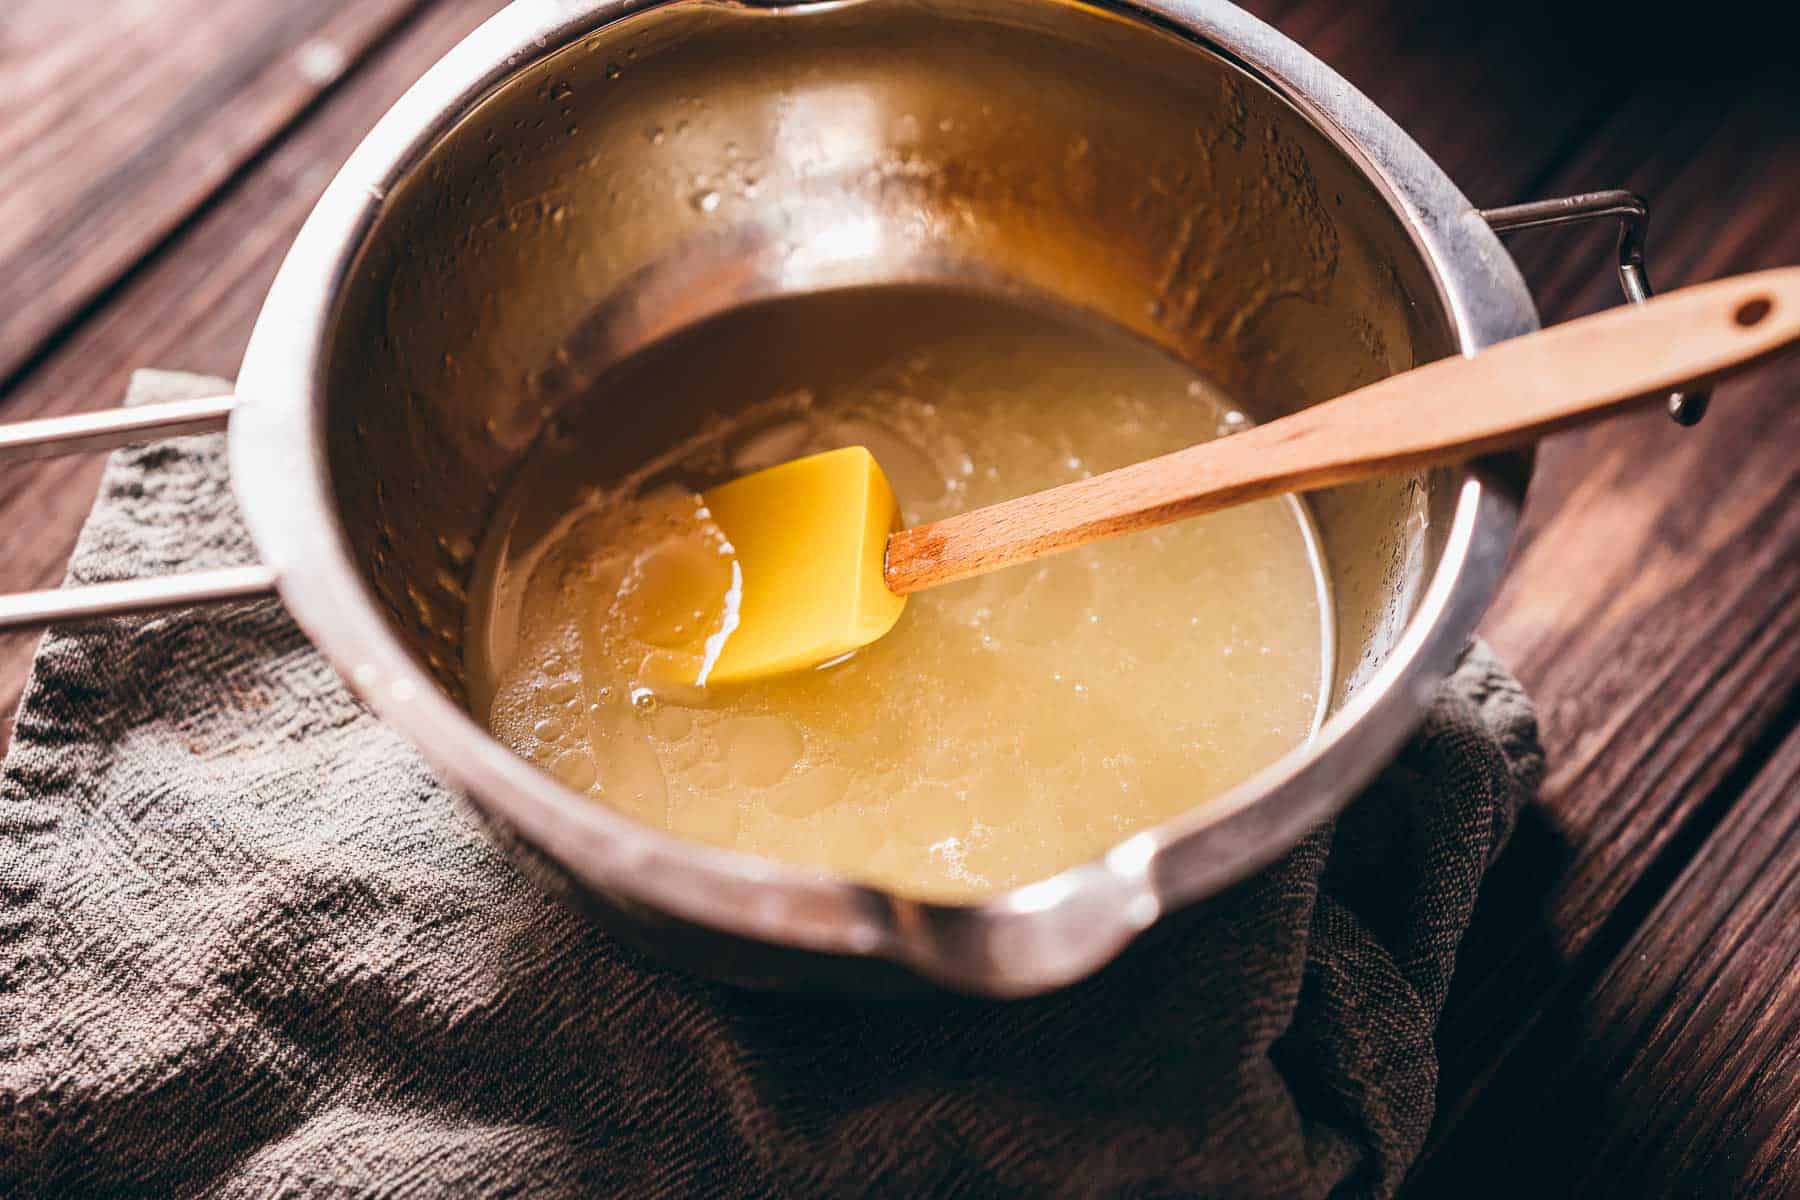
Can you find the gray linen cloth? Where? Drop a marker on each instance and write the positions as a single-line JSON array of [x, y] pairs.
[[249, 946]]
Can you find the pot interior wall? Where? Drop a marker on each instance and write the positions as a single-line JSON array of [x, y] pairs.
[[701, 155]]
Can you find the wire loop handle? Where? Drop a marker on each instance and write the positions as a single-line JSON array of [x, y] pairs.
[[1633, 216], [88, 432]]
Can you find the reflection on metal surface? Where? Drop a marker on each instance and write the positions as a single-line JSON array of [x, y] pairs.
[[1633, 216]]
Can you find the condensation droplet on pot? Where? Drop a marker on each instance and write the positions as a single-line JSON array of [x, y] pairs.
[[1153, 309], [643, 700], [706, 202], [654, 135], [458, 549], [614, 70], [420, 601], [561, 91]]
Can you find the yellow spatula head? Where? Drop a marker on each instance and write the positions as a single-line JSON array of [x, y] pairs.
[[809, 537]]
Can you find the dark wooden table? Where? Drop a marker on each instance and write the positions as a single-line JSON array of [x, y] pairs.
[[1627, 1016]]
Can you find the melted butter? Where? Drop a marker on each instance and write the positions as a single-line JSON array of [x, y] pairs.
[[1009, 726]]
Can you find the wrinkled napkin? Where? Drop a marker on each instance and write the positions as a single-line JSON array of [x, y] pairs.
[[249, 946]]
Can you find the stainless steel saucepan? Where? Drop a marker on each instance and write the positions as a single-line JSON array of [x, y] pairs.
[[581, 177]]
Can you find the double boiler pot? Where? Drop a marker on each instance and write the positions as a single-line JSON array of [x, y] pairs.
[[580, 178]]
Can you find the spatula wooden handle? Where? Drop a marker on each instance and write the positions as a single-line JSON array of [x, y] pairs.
[[1446, 411]]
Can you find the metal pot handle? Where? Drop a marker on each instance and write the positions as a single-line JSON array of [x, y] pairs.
[[1633, 216], [105, 430]]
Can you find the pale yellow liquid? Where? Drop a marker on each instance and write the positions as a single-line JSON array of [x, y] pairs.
[[1009, 726]]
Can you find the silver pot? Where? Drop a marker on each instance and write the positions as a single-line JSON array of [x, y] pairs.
[[581, 177]]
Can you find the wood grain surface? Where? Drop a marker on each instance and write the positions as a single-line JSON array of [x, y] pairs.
[[1626, 1019], [1675, 1071], [123, 118], [1654, 610], [189, 302]]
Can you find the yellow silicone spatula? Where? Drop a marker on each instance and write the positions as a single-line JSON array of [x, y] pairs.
[[826, 568]]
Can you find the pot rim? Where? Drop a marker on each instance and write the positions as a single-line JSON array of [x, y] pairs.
[[1026, 940]]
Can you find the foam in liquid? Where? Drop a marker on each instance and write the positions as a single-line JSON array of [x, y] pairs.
[[1009, 726]]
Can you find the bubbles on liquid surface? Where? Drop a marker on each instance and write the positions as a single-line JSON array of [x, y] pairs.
[[575, 768], [760, 750], [1011, 725]]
